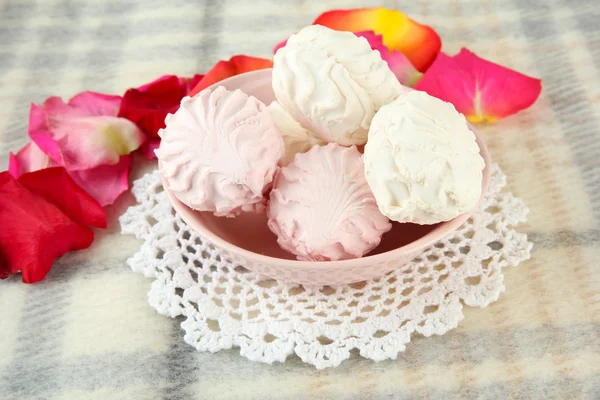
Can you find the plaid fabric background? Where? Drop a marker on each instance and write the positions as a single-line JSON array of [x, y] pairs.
[[86, 332]]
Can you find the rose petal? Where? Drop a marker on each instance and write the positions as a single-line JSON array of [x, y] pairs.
[[191, 83], [147, 149], [399, 64], [30, 158], [279, 45], [225, 69], [78, 136], [148, 105], [106, 182], [71, 199], [95, 104], [35, 231], [187, 83], [478, 88], [5, 270], [420, 43]]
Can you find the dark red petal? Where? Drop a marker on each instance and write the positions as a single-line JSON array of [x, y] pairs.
[[58, 188], [4, 268], [34, 231], [147, 149], [148, 105], [190, 83]]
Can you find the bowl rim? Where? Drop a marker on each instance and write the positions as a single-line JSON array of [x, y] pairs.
[[439, 232]]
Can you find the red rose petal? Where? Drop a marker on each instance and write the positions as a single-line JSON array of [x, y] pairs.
[[147, 149], [148, 105], [225, 69], [57, 187], [34, 230], [191, 83], [4, 268]]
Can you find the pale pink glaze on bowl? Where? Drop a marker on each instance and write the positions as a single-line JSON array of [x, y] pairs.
[[247, 240]]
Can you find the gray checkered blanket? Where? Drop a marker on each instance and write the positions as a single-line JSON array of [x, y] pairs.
[[86, 332]]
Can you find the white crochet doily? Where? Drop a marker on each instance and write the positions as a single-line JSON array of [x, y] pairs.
[[225, 305]]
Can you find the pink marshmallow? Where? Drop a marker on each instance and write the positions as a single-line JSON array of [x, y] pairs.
[[321, 207], [219, 152]]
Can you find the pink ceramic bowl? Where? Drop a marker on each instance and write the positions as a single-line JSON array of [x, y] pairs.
[[247, 240]]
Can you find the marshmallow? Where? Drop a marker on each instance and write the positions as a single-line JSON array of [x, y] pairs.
[[219, 152], [321, 207], [332, 83], [296, 139], [422, 161]]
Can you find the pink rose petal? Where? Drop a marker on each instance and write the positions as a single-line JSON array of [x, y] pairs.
[[106, 182], [87, 138], [85, 133], [30, 158], [480, 89], [279, 45], [398, 63], [96, 104]]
